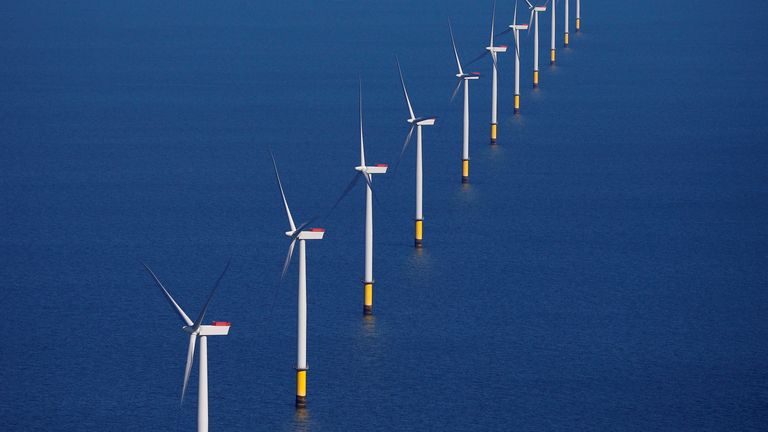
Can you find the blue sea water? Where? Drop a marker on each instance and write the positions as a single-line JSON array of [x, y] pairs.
[[606, 269]]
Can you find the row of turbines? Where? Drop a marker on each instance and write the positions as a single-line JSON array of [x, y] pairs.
[[300, 234]]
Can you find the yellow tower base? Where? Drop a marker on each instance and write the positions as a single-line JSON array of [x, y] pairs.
[[578, 24], [301, 388], [566, 40], [465, 171], [419, 233], [551, 56], [535, 79], [493, 133], [517, 104], [368, 304]]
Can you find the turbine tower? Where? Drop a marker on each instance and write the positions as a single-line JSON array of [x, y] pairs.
[[301, 235], [535, 11], [578, 15], [466, 78], [515, 27], [567, 18], [494, 50], [197, 330], [552, 36], [416, 123]]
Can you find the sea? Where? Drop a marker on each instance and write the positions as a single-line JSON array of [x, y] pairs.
[[605, 269]]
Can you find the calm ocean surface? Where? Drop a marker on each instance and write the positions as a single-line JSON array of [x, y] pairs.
[[606, 269]]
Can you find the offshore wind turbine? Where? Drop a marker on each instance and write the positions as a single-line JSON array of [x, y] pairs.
[[535, 11], [515, 27], [578, 15], [552, 36], [196, 330], [301, 235], [416, 123], [465, 78], [567, 18], [366, 171]]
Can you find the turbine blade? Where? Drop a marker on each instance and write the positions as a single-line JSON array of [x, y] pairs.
[[288, 257], [210, 296], [405, 145], [405, 92], [530, 20], [456, 90], [455, 52], [530, 6], [349, 187], [362, 146], [282, 192], [188, 367], [514, 19], [493, 22], [504, 32], [168, 297], [495, 64], [485, 53]]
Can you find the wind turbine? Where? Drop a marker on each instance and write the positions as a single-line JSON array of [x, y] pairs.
[[417, 123], [366, 172], [301, 235], [494, 50], [466, 78], [566, 24], [552, 36], [578, 15], [197, 330], [535, 10], [515, 27]]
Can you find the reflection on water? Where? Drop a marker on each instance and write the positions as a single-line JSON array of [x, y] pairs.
[[369, 325], [301, 420]]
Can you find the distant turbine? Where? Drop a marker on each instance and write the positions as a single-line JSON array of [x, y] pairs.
[[197, 330], [515, 29], [578, 15], [465, 77], [567, 18], [552, 36], [535, 11], [299, 234], [417, 123]]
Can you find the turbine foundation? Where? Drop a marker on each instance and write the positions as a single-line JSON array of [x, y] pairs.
[[535, 79], [552, 56], [493, 133], [465, 171], [578, 24], [301, 388], [368, 302], [419, 233], [566, 40], [517, 104]]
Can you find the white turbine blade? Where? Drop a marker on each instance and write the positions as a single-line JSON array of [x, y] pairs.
[[188, 367], [530, 6], [405, 145], [210, 296], [514, 20], [485, 53], [530, 20], [282, 193], [493, 22], [456, 90], [517, 44], [168, 296], [455, 52], [362, 146], [405, 92], [288, 259]]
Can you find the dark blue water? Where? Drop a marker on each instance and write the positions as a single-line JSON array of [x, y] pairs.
[[605, 269]]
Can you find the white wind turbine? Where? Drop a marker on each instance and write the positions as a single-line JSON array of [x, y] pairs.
[[552, 36], [535, 11], [301, 235], [197, 330], [463, 77], [578, 15], [366, 171], [515, 27], [567, 18], [416, 123]]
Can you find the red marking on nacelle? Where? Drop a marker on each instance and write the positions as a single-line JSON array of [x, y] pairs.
[[317, 229], [222, 323], [381, 165], [475, 73]]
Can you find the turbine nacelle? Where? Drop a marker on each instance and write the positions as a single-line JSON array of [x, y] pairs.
[[519, 26], [497, 49], [540, 9], [217, 328], [375, 169], [422, 121], [309, 234], [468, 76]]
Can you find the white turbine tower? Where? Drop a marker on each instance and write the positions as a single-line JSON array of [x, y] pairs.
[[578, 15], [567, 18], [301, 235], [366, 172], [535, 11], [552, 36], [416, 123], [463, 77], [515, 27], [494, 50], [197, 330]]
